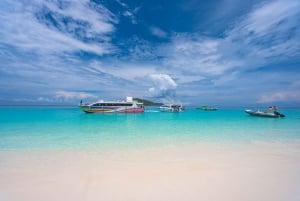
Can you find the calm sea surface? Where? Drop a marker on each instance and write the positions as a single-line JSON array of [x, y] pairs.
[[28, 128]]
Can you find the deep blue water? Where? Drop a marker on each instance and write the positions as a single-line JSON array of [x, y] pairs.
[[26, 128]]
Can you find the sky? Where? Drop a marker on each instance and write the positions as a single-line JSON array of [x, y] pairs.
[[195, 52]]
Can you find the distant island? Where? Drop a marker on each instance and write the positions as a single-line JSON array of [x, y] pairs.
[[147, 102]]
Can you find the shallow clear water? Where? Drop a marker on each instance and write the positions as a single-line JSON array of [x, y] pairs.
[[27, 128]]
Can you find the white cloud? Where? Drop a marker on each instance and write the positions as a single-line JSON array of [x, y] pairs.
[[226, 78], [281, 96], [140, 50], [290, 93], [121, 3], [128, 71], [97, 16], [198, 55], [129, 13], [25, 26], [38, 55], [68, 95], [131, 16], [269, 33], [163, 81], [164, 86], [59, 96], [272, 16], [158, 32]]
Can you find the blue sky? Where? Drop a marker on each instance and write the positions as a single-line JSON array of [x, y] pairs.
[[222, 52]]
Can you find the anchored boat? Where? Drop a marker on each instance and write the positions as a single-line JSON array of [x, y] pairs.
[[259, 113], [171, 108], [127, 106]]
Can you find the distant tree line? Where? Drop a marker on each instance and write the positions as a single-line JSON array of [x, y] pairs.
[[147, 102]]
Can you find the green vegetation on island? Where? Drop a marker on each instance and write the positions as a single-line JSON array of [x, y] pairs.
[[147, 102]]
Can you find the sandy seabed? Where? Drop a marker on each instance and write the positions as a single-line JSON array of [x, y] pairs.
[[258, 171]]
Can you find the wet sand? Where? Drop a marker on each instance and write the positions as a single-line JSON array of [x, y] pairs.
[[258, 171]]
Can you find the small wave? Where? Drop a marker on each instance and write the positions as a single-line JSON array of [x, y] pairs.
[[152, 111]]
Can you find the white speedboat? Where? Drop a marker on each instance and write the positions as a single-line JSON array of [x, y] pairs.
[[171, 108], [128, 106], [259, 113]]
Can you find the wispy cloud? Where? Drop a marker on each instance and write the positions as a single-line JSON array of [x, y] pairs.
[[291, 93], [140, 50], [56, 26], [291, 96], [158, 32], [196, 54], [129, 13], [66, 49], [69, 95], [131, 16], [268, 33]]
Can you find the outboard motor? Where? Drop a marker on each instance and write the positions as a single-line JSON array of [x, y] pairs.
[[279, 114]]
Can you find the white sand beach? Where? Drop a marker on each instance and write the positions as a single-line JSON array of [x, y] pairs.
[[257, 171]]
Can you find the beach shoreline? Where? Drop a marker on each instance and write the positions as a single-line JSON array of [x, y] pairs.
[[201, 171]]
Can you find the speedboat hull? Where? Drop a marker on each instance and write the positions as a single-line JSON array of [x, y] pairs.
[[128, 106], [264, 114], [96, 109]]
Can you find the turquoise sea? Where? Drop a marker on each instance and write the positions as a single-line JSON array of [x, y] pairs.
[[39, 128]]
